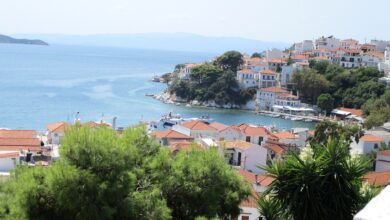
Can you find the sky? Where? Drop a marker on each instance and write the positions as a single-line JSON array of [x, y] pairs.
[[268, 20]]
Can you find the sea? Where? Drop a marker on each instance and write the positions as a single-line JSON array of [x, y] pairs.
[[44, 84]]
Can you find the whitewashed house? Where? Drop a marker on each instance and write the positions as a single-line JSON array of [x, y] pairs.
[[247, 78], [327, 43], [227, 133], [246, 155], [286, 76], [196, 129], [255, 134], [185, 71], [274, 54], [367, 144], [380, 45], [350, 44], [268, 78], [56, 131], [382, 161], [303, 47], [271, 97]]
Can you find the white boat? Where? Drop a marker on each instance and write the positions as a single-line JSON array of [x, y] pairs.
[[274, 115], [188, 105], [308, 120], [296, 119]]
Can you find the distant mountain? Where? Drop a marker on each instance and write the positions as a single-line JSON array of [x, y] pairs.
[[9, 40], [163, 41]]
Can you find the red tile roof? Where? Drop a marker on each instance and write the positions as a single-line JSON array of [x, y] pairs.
[[171, 134], [219, 126], [9, 154], [245, 71], [17, 133], [274, 90], [17, 144], [378, 178], [251, 130], [250, 202], [180, 145], [57, 127], [268, 72], [197, 125], [285, 135], [242, 145], [371, 138]]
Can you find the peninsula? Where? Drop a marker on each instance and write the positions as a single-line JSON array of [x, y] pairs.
[[9, 40]]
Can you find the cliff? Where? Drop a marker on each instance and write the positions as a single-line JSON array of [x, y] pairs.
[[9, 40]]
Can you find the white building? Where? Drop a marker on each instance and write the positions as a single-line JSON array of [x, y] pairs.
[[185, 71], [56, 131], [367, 144], [267, 78], [268, 97], [286, 76], [246, 155], [350, 44], [196, 129], [303, 47], [247, 78], [327, 43], [382, 161], [380, 45], [274, 54]]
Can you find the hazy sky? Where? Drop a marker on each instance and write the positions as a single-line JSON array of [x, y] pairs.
[[271, 20]]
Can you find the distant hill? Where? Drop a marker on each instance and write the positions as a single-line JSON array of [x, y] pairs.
[[9, 40], [162, 41]]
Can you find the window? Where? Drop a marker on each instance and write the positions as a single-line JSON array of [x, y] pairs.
[[260, 140], [248, 139], [244, 217], [375, 146], [239, 159]]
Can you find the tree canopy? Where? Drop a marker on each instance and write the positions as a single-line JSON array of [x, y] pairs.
[[101, 175], [230, 60]]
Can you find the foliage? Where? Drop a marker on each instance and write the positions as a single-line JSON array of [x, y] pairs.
[[323, 182], [326, 130], [101, 175], [256, 55], [309, 84], [325, 101], [270, 208], [230, 60], [320, 66]]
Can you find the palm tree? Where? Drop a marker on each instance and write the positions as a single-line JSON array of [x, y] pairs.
[[323, 182]]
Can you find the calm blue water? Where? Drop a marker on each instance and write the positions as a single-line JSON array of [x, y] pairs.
[[41, 84]]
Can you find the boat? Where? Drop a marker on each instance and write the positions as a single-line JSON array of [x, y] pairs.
[[274, 115], [188, 105], [171, 119], [149, 94], [155, 78], [177, 104], [308, 120], [296, 119]]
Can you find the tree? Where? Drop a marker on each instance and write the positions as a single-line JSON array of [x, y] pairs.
[[197, 186], [309, 84], [256, 55], [205, 74], [270, 208], [322, 182], [355, 97], [230, 60], [378, 117], [101, 175], [326, 129], [325, 101], [321, 66]]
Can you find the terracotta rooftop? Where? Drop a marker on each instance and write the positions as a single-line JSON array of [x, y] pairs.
[[268, 72], [219, 126], [274, 90], [17, 133], [9, 154], [371, 138], [171, 134], [245, 71], [242, 145], [285, 135], [252, 130], [197, 125], [180, 145], [17, 144], [378, 178], [57, 127]]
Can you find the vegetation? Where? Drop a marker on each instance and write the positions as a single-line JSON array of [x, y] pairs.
[[214, 82], [322, 182], [256, 55], [326, 130], [101, 175], [353, 88]]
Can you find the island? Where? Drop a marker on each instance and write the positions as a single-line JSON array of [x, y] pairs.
[[9, 40]]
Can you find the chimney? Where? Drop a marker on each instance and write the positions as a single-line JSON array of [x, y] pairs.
[[256, 181]]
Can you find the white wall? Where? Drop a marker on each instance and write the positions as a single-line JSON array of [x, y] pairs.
[[229, 134], [253, 213], [382, 163], [7, 164], [253, 157]]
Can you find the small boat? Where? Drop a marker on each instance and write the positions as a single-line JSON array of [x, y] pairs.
[[296, 119], [149, 94], [188, 105], [308, 120], [155, 78], [274, 115], [177, 104]]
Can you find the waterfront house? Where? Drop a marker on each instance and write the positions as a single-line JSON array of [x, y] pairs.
[[196, 129], [246, 155], [247, 78], [186, 70], [56, 131], [268, 78], [348, 114], [276, 98], [165, 138]]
